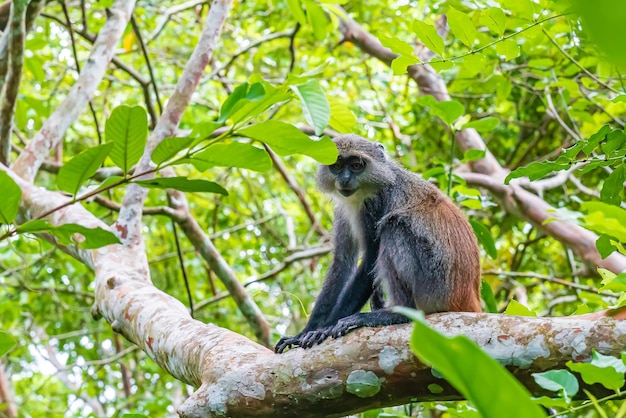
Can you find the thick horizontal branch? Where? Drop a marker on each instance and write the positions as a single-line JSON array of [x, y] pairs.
[[237, 377]]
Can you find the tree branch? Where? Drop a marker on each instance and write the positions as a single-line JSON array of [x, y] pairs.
[[53, 129], [8, 97]]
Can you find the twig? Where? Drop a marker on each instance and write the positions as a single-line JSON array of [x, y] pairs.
[[576, 63], [219, 266], [288, 261], [551, 279], [171, 12], [70, 29], [179, 256], [277, 35], [555, 114], [292, 47], [296, 189], [146, 57]]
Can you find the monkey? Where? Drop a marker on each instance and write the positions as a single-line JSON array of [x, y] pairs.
[[414, 243]]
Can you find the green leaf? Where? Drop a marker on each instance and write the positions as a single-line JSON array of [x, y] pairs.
[[594, 140], [317, 19], [286, 139], [127, 129], [243, 91], [591, 374], [109, 181], [495, 20], [92, 237], [204, 130], [484, 237], [582, 309], [401, 62], [483, 125], [74, 173], [473, 155], [253, 105], [508, 48], [614, 141], [429, 36], [462, 27], [600, 360], [521, 8], [604, 218], [613, 187], [474, 63], [612, 282], [486, 294], [296, 9], [538, 170], [315, 106], [517, 309], [467, 368], [551, 402], [66, 234], [560, 381], [7, 342], [234, 154], [448, 111], [33, 226], [11, 198], [602, 22], [341, 117], [605, 246], [183, 184], [363, 383], [169, 147], [316, 72], [441, 65], [396, 45]]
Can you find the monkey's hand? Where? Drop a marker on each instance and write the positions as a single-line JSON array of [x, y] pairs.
[[305, 339], [286, 343], [318, 336]]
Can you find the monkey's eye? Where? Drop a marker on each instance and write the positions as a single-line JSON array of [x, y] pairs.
[[357, 166], [335, 168]]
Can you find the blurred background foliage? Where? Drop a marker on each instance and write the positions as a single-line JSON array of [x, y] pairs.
[[547, 84]]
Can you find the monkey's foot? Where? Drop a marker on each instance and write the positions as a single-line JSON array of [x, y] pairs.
[[345, 325]]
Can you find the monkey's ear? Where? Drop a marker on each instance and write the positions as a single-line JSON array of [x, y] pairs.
[[381, 148]]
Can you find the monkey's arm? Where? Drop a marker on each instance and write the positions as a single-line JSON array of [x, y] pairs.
[[341, 270], [351, 299]]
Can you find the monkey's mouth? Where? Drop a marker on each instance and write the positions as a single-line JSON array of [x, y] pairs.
[[347, 192]]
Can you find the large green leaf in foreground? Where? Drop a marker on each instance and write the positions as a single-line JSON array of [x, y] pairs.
[[479, 378]]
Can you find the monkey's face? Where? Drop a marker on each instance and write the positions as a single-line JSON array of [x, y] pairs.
[[346, 172], [361, 170], [352, 178]]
